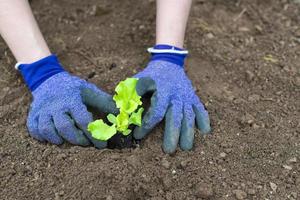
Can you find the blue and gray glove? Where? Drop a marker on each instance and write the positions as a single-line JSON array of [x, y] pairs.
[[173, 98], [59, 112]]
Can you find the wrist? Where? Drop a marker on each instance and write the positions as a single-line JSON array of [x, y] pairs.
[[36, 73], [168, 53]]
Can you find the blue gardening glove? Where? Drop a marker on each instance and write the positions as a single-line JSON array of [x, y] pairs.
[[59, 112], [173, 98]]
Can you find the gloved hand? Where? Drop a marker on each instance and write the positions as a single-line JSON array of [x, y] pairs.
[[59, 112], [173, 98]]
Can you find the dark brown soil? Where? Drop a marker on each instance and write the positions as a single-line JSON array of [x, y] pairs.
[[245, 65]]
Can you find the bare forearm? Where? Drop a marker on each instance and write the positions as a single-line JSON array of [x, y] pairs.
[[21, 32], [171, 20]]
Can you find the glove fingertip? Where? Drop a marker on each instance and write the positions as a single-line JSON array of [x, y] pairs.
[[204, 125], [187, 139], [34, 134], [82, 141], [57, 142], [51, 135], [100, 144], [169, 148], [186, 146], [202, 120], [32, 128], [140, 132], [97, 143], [37, 137]]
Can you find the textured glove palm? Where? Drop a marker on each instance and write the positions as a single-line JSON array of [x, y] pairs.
[[173, 98], [59, 110]]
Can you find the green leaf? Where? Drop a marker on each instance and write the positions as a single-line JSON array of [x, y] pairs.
[[101, 131], [111, 118], [122, 121], [126, 132], [136, 117], [126, 97]]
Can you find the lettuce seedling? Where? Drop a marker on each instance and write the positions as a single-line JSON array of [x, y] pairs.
[[129, 104]]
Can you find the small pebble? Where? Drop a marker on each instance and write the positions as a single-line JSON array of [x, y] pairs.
[[57, 196], [249, 76], [294, 194], [251, 191], [165, 163], [247, 119], [109, 197], [141, 27], [292, 160], [210, 35], [244, 29], [183, 164], [223, 155], [203, 191], [255, 126], [273, 186], [287, 167], [258, 28], [228, 150], [240, 194]]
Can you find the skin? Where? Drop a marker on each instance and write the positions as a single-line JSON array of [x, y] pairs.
[[171, 20], [23, 37]]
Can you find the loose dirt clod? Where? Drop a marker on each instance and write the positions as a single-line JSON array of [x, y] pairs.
[[165, 163], [183, 164]]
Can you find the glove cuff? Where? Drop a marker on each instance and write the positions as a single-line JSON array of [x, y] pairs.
[[36, 73], [168, 53]]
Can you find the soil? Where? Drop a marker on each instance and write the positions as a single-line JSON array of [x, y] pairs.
[[244, 63]]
